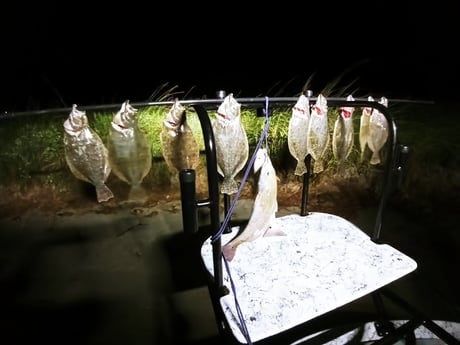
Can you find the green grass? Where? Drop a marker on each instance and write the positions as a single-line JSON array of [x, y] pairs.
[[33, 146]]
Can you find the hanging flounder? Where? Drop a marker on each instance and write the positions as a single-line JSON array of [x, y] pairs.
[[85, 153], [343, 135], [262, 221], [232, 147], [318, 134], [364, 127], [297, 133], [378, 132], [129, 151], [180, 148]]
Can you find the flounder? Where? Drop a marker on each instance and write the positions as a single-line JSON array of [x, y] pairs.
[[343, 136], [364, 127], [180, 148], [297, 133], [129, 151], [232, 147], [318, 133], [378, 132], [86, 154]]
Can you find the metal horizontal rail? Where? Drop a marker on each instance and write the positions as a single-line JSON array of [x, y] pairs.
[[211, 103]]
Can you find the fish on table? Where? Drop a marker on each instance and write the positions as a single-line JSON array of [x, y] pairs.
[[179, 145], [364, 127], [343, 136], [86, 154], [318, 133], [297, 133], [232, 147], [129, 151], [378, 132], [262, 221]]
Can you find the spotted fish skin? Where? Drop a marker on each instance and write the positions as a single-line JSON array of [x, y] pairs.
[[130, 156], [364, 127], [343, 136], [86, 154], [378, 132], [297, 133], [262, 221], [318, 133], [179, 145], [232, 147]]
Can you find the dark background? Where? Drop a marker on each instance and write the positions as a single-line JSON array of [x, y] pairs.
[[58, 53]]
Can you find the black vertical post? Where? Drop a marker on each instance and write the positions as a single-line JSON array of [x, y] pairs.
[[305, 187], [227, 202], [213, 190], [388, 172], [188, 201]]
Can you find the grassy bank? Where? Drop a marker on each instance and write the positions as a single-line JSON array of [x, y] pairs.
[[33, 151]]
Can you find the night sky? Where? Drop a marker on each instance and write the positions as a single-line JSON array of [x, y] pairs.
[[63, 53]]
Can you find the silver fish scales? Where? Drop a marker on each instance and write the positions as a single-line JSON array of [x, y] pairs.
[[86, 154], [318, 133], [297, 133], [262, 221], [130, 155], [343, 136], [179, 146], [232, 147]]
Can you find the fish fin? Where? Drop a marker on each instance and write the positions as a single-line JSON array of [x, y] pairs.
[[318, 166], [229, 186], [341, 169], [301, 168], [375, 159], [229, 251], [103, 193], [137, 193]]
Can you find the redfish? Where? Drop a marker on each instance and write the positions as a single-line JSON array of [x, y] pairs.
[[262, 221]]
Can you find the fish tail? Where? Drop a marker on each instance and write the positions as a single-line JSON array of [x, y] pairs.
[[341, 169], [137, 193], [318, 166], [375, 159], [229, 251], [103, 193], [300, 169], [229, 186]]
